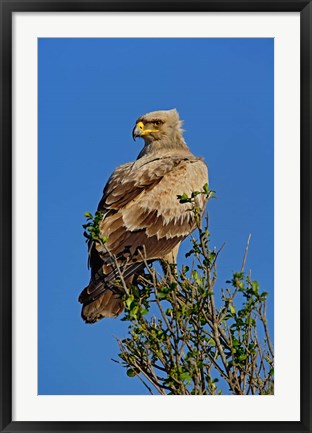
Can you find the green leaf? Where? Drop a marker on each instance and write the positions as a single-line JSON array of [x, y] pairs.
[[134, 310], [195, 275], [232, 309], [162, 295], [185, 376], [205, 188], [255, 286], [129, 301], [131, 372], [242, 358], [184, 198]]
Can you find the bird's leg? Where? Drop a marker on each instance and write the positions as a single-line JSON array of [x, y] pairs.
[[169, 264]]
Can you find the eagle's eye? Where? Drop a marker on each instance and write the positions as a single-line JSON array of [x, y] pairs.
[[157, 122]]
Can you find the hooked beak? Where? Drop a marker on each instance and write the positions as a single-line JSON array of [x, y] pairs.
[[137, 130], [135, 133]]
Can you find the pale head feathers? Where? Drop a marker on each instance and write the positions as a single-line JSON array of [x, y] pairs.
[[170, 119], [161, 131]]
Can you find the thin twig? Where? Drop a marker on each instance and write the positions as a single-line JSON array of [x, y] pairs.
[[246, 253]]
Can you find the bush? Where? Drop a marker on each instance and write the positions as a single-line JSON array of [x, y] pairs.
[[186, 337]]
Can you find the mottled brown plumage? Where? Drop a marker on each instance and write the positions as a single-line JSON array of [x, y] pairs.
[[142, 215]]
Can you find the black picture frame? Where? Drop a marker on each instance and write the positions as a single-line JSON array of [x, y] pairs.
[[8, 7]]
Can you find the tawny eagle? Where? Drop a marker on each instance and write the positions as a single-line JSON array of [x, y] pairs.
[[141, 212]]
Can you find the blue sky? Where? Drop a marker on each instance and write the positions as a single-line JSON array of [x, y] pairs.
[[91, 91]]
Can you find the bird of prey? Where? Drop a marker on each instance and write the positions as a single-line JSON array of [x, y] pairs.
[[141, 214]]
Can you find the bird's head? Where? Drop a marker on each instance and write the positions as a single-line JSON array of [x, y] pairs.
[[158, 125]]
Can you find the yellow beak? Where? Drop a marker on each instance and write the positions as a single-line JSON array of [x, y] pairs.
[[139, 130]]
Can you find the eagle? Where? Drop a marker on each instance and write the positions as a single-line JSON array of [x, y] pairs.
[[141, 218]]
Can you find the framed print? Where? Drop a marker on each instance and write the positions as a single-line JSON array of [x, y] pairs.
[[123, 306]]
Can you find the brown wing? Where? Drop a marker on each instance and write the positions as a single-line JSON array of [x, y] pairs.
[[147, 212], [142, 214]]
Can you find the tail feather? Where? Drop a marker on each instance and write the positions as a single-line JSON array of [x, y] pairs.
[[109, 304], [101, 299]]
